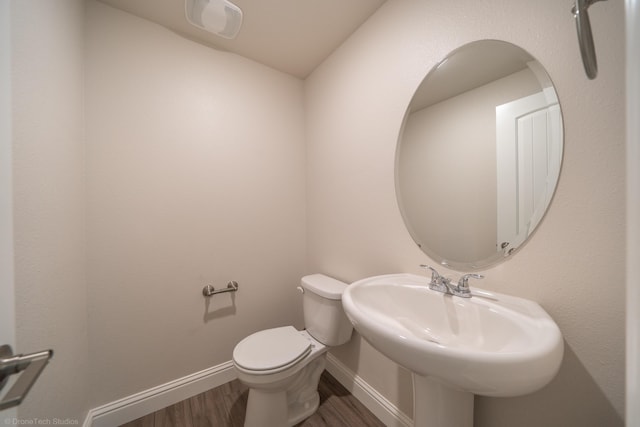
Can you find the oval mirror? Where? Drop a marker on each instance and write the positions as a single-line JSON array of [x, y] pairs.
[[479, 155]]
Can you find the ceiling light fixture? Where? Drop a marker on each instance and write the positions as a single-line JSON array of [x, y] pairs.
[[220, 17]]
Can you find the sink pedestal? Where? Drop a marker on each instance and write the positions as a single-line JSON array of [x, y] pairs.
[[436, 405]]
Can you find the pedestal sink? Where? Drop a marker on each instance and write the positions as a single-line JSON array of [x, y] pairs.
[[490, 344]]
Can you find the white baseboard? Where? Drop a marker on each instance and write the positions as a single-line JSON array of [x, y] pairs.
[[140, 404], [386, 411]]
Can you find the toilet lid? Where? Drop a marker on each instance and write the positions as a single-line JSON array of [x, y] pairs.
[[271, 349]]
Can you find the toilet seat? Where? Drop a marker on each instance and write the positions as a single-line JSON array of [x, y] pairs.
[[271, 350]]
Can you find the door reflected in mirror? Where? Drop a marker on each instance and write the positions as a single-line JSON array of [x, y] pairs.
[[479, 155]]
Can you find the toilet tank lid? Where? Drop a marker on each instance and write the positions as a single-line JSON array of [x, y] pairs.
[[324, 286]]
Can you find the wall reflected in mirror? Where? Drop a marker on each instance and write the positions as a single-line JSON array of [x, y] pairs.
[[479, 155]]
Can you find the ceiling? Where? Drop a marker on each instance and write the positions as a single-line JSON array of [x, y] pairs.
[[293, 36]]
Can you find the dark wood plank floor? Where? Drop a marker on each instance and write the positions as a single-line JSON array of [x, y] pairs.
[[224, 406]]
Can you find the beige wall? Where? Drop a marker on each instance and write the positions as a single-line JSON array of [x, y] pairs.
[[573, 266], [49, 201], [195, 173]]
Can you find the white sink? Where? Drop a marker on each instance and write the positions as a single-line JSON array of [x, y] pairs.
[[490, 344]]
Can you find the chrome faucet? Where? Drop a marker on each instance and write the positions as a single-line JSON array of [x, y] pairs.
[[462, 290], [443, 284], [437, 283]]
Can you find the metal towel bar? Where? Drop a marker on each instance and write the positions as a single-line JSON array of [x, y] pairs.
[[32, 365], [585, 37]]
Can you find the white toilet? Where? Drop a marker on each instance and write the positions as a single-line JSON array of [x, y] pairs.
[[282, 366]]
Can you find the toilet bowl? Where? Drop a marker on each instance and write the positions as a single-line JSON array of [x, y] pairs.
[[283, 385], [282, 366]]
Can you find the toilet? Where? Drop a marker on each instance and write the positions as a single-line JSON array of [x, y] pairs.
[[282, 366]]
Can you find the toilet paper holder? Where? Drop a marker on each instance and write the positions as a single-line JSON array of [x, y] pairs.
[[209, 290]]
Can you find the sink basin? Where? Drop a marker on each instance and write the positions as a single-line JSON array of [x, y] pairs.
[[490, 344]]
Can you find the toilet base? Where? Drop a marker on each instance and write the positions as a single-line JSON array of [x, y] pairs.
[[265, 408], [286, 408]]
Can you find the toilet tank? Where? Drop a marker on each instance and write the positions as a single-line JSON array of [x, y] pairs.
[[324, 316]]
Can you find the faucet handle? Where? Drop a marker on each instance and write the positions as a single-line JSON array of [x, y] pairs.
[[435, 276], [463, 283]]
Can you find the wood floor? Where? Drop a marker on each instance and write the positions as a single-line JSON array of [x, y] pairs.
[[224, 406]]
